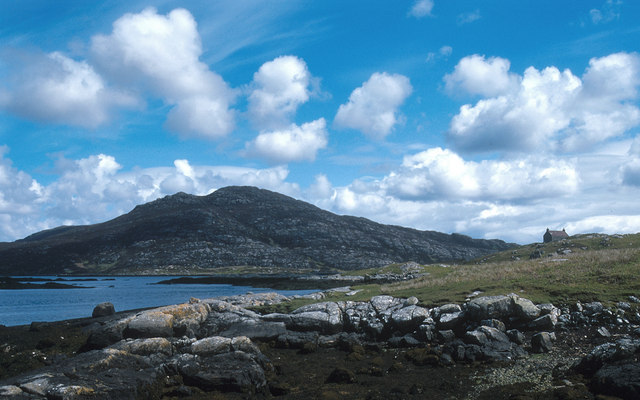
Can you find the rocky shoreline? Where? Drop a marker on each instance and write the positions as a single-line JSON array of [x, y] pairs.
[[489, 347]]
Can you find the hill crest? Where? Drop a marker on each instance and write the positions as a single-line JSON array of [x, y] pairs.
[[233, 226]]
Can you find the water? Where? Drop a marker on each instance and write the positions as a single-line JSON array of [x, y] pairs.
[[21, 307]]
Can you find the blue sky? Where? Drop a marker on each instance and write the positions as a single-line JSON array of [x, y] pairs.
[[493, 119]]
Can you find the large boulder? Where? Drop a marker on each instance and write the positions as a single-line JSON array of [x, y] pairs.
[[488, 307], [103, 310], [409, 318], [150, 324], [322, 317]]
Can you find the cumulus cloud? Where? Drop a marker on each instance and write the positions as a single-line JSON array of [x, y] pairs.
[[279, 87], [440, 173], [161, 53], [477, 75], [373, 107], [55, 88], [95, 189], [421, 8], [294, 143], [547, 109]]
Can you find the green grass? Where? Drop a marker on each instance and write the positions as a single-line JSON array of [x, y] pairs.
[[599, 267]]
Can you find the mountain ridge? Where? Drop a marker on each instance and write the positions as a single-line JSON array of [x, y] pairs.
[[233, 226]]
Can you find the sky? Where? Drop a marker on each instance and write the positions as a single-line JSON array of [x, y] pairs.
[[487, 118]]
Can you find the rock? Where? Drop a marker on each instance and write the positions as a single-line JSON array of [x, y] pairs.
[[409, 318], [150, 324], [607, 353], [541, 342], [623, 305], [603, 332], [103, 310], [622, 381], [488, 307], [446, 336], [446, 309], [211, 346], [341, 375], [494, 334], [525, 309], [494, 323], [476, 337], [634, 299], [516, 336], [546, 322], [233, 371], [145, 347], [321, 317], [382, 303], [593, 308], [451, 320]]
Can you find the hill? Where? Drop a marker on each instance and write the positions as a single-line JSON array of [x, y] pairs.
[[233, 226]]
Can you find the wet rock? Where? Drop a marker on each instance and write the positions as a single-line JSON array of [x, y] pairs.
[[103, 310]]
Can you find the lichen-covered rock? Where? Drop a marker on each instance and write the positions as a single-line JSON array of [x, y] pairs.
[[150, 324]]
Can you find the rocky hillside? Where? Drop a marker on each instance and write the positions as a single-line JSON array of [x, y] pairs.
[[234, 226]]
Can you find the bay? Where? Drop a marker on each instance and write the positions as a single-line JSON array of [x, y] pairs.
[[21, 307]]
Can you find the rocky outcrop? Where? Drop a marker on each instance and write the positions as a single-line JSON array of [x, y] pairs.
[[209, 345], [232, 226], [613, 368]]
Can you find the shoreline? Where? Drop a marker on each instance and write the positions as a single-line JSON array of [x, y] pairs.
[[316, 351]]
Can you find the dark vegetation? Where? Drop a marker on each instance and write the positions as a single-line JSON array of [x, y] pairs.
[[234, 226]]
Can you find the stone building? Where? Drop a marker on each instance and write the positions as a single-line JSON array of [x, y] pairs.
[[553, 236]]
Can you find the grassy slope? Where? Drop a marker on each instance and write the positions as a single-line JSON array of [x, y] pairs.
[[597, 267]]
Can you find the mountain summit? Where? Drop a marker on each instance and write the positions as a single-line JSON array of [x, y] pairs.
[[233, 226]]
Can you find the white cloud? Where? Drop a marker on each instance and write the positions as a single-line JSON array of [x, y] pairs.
[[467, 18], [477, 75], [441, 174], [609, 11], [55, 88], [161, 54], [294, 143], [549, 109], [373, 107], [444, 52], [421, 8], [96, 189], [279, 87]]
